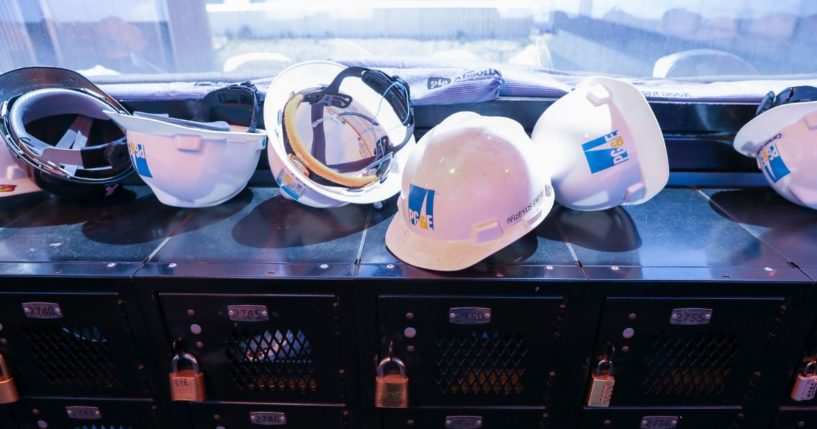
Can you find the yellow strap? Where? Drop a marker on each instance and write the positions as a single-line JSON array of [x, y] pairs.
[[312, 163]]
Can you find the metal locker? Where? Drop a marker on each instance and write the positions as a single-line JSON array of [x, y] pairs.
[[69, 344], [466, 418], [474, 350], [796, 418], [685, 351], [804, 377], [85, 414], [799, 414], [6, 421], [249, 416], [672, 418], [261, 348]]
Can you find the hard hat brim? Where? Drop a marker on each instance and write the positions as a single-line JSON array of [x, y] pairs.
[[18, 186], [610, 105], [440, 255], [756, 132], [647, 136], [21, 186], [14, 181], [18, 82]]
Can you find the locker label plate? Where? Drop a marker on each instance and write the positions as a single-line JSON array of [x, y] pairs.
[[248, 313], [469, 315], [81, 412], [268, 418], [42, 310], [659, 422], [690, 316]]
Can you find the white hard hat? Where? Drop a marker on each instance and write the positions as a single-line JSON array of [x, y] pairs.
[[603, 146], [201, 162], [338, 134], [15, 178], [51, 119], [187, 165], [472, 187], [783, 139]]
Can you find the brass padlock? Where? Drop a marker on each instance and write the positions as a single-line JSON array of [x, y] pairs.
[[186, 384], [805, 387], [601, 389], [391, 390], [8, 390]]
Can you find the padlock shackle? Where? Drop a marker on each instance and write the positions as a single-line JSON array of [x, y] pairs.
[[194, 363], [390, 359], [601, 364], [4, 369]]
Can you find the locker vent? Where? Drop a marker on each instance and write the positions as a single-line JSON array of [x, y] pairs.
[[695, 365], [77, 356], [279, 360], [481, 363], [100, 426]]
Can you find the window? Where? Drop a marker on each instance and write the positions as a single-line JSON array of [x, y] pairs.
[[167, 39]]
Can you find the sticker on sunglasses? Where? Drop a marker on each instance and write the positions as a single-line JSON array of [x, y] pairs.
[[7, 188], [140, 161], [289, 185], [605, 152], [771, 162]]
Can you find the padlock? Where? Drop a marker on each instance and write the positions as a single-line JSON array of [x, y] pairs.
[[8, 390], [805, 387], [186, 384], [601, 389], [391, 390]]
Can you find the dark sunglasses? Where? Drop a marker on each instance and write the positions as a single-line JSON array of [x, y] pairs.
[[235, 104], [795, 94]]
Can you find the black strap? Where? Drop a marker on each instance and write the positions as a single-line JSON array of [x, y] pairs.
[[378, 81], [111, 155], [318, 134]]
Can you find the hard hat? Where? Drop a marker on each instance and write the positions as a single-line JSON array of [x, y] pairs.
[[473, 185], [783, 140], [191, 163], [603, 146], [338, 134], [15, 178], [52, 120]]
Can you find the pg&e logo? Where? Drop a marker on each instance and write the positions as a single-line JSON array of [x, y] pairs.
[[140, 161], [421, 207], [771, 161], [605, 152]]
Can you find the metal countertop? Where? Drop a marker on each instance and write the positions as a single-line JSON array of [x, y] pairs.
[[683, 234]]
